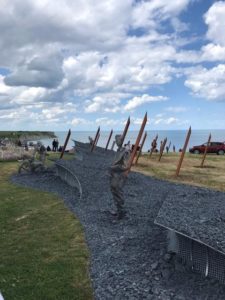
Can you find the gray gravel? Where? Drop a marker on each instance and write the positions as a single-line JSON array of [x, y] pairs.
[[128, 257]]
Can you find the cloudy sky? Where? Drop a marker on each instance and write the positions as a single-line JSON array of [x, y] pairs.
[[83, 63]]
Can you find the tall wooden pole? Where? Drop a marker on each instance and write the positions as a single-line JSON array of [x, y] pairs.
[[156, 138], [125, 130], [65, 144], [137, 142], [162, 148], [95, 139], [183, 152], [110, 135], [205, 152], [139, 152]]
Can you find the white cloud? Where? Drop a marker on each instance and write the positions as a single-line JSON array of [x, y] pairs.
[[140, 100], [215, 19], [166, 121], [207, 83]]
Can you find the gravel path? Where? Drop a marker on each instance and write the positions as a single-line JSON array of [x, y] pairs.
[[128, 257]]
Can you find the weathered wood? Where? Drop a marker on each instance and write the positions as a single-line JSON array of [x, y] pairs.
[[95, 139], [162, 148], [125, 130], [110, 135], [183, 152], [140, 151], [65, 144], [205, 152], [137, 142], [156, 138]]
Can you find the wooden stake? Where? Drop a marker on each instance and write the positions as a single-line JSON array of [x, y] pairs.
[[94, 142], [139, 152], [162, 148], [206, 148], [125, 130], [65, 144], [156, 138], [110, 135], [137, 142], [183, 152]]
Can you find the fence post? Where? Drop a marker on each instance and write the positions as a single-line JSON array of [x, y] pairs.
[[137, 142], [95, 139], [139, 152], [110, 135], [206, 148], [162, 148], [183, 152], [65, 144]]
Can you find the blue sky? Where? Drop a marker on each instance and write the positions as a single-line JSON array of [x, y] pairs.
[[80, 64]]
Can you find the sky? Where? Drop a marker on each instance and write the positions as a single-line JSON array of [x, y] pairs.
[[85, 63]]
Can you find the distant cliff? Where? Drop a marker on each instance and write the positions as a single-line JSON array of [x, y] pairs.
[[27, 135]]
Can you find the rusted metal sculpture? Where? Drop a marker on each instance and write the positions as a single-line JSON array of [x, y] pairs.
[[125, 130], [109, 138], [205, 152], [183, 152], [118, 176], [153, 145], [137, 142], [162, 148], [140, 151], [95, 139], [65, 144]]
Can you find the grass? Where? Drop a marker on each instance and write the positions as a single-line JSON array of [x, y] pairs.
[[212, 175], [42, 246]]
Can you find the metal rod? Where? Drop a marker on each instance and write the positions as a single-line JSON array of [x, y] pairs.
[[95, 139], [137, 142], [65, 144], [140, 150], [110, 135], [183, 152], [125, 130], [205, 152], [155, 139], [162, 148]]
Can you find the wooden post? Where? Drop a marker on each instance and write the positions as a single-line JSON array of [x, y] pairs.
[[206, 148], [125, 130], [139, 152], [162, 148], [156, 138], [183, 152], [110, 135], [94, 142], [65, 144], [137, 142]]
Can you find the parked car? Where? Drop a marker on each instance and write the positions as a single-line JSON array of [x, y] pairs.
[[214, 147]]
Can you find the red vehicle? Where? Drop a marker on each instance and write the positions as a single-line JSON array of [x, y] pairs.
[[214, 147]]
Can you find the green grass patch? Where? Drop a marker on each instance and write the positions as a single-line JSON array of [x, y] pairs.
[[42, 246]]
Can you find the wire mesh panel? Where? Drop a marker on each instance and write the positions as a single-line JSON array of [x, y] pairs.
[[203, 259]]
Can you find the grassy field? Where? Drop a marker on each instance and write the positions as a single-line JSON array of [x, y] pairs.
[[42, 246], [212, 175]]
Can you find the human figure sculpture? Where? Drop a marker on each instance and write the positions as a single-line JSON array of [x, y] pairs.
[[118, 176]]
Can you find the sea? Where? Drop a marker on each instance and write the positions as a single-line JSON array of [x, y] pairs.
[[176, 137]]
